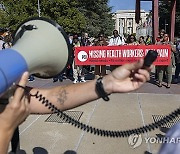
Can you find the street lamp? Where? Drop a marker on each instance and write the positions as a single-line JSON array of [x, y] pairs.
[[39, 10]]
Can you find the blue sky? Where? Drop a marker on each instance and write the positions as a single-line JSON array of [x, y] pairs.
[[128, 5]]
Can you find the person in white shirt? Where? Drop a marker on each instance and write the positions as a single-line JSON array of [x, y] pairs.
[[7, 41], [116, 40], [1, 42]]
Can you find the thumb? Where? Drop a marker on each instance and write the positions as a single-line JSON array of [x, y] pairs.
[[135, 65]]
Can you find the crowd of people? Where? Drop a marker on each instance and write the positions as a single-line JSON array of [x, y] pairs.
[[163, 73], [5, 40], [78, 73]]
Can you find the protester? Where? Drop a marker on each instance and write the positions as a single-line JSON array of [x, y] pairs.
[[78, 71], [85, 41], [166, 68], [116, 40], [1, 42], [161, 35], [69, 70], [7, 41], [126, 78], [132, 40], [141, 40], [100, 70], [159, 39], [148, 40], [177, 60], [70, 38]]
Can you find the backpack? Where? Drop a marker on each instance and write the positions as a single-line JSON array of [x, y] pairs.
[[120, 38]]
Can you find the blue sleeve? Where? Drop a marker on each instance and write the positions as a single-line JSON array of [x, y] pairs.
[[12, 66]]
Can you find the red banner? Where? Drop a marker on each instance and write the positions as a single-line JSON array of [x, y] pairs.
[[118, 55]]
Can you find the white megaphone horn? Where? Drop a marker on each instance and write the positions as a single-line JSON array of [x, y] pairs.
[[40, 46]]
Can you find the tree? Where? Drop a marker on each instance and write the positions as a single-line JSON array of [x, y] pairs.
[[15, 12], [98, 16], [64, 12], [177, 26], [75, 16], [164, 14]]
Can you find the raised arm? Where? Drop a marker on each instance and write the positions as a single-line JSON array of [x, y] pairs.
[[126, 78], [12, 115]]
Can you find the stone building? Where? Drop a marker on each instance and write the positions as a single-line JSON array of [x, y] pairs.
[[125, 21]]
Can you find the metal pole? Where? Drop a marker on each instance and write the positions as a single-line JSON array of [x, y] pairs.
[[39, 10], [165, 26]]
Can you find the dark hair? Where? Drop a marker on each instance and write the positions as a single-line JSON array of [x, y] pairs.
[[115, 31], [100, 35], [142, 37], [162, 31], [70, 34], [129, 38]]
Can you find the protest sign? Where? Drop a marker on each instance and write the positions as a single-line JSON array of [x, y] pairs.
[[119, 55]]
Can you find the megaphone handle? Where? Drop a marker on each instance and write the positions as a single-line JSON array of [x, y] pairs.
[[12, 66]]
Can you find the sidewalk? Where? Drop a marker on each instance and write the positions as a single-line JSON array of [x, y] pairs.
[[122, 112]]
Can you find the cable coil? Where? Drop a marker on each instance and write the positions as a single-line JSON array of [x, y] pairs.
[[106, 133]]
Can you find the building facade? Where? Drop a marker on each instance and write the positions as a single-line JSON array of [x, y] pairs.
[[125, 21]]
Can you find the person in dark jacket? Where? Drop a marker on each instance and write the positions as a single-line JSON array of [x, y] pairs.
[[177, 61]]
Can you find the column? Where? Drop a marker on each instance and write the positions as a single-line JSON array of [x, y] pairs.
[[117, 23], [155, 5], [173, 13], [134, 25], [138, 11]]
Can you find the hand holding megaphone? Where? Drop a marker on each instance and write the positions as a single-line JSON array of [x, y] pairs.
[[40, 46]]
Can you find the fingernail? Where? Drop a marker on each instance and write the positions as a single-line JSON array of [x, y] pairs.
[[26, 73]]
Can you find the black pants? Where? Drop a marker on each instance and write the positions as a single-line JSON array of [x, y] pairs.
[[177, 71]]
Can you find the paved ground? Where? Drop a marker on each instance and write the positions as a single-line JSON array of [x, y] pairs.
[[124, 111]]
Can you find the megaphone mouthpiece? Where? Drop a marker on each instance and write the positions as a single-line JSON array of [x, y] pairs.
[[10, 70]]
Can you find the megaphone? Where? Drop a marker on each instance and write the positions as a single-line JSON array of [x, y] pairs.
[[40, 46]]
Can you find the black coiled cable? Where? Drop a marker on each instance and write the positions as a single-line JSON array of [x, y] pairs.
[[106, 133]]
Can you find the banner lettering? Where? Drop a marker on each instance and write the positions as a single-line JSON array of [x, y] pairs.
[[119, 55]]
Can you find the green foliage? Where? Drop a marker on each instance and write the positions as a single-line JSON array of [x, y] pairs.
[[177, 26], [98, 16], [65, 13], [15, 12], [75, 16]]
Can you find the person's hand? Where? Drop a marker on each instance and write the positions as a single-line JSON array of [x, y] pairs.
[[126, 78], [18, 108]]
